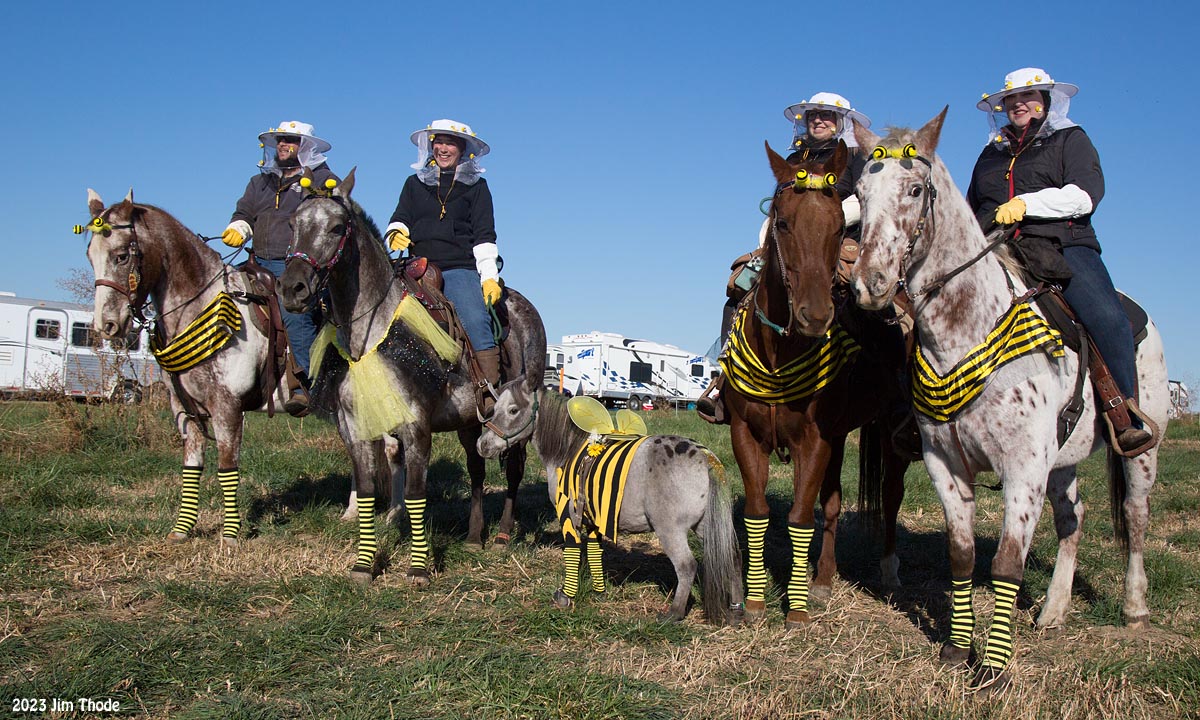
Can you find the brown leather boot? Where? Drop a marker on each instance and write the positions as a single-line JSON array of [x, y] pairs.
[[489, 364], [709, 406]]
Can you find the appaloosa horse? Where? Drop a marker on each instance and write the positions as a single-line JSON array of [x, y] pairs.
[[973, 313], [797, 384], [672, 485], [383, 367], [208, 337]]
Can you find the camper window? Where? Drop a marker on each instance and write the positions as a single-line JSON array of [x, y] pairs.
[[81, 335], [47, 330], [697, 371], [640, 372]]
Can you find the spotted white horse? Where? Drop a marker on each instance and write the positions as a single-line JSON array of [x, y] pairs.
[[918, 231]]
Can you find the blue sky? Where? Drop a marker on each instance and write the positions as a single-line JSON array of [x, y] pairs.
[[627, 162]]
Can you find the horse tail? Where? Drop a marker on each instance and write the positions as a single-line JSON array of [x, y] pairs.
[[722, 575], [1118, 490], [870, 475]]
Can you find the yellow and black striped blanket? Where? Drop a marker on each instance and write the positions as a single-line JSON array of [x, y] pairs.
[[804, 376], [595, 479], [202, 338]]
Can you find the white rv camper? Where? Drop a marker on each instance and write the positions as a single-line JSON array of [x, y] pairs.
[[49, 347], [613, 368], [556, 361]]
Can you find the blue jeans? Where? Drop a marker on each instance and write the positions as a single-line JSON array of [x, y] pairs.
[[1094, 300], [462, 287], [301, 327]]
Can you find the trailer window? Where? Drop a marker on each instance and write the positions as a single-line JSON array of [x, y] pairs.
[[697, 371], [640, 372], [559, 362], [47, 329], [82, 335]]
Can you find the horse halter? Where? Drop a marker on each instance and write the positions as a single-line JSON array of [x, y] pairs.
[[906, 155], [100, 224], [337, 255], [508, 437]]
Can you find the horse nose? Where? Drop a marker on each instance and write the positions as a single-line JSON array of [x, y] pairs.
[[295, 295], [109, 329]]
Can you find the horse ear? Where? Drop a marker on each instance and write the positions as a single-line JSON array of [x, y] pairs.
[[928, 136], [129, 196], [864, 137], [841, 155], [347, 185], [779, 167], [95, 204]]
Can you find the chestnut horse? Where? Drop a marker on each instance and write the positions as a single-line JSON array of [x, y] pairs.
[[797, 384]]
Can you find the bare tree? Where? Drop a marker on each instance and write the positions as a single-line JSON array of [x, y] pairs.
[[78, 284]]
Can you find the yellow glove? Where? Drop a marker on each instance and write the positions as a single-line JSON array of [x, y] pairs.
[[233, 238], [491, 292], [1011, 212], [398, 240]]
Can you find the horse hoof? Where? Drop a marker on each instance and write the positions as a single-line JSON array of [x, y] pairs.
[[820, 593], [797, 619], [953, 656], [990, 681], [755, 611], [229, 543], [361, 575], [177, 537], [669, 616], [561, 600], [418, 577], [501, 541], [1140, 623]]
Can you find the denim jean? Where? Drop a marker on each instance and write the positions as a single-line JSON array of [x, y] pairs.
[[1094, 300], [301, 327], [462, 287]]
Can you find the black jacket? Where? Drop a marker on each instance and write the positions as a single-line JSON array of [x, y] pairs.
[[268, 205], [448, 242], [1065, 157], [821, 151]]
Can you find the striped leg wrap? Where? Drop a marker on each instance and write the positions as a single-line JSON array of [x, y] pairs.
[[595, 563], [420, 541], [756, 571], [798, 583], [571, 565], [189, 500], [367, 545], [231, 523], [962, 615], [1000, 642]]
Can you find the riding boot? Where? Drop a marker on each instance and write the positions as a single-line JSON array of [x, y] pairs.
[[1127, 439], [709, 405], [489, 367], [298, 385]]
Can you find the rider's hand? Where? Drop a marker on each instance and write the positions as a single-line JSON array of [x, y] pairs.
[[235, 235], [491, 292], [397, 236], [1011, 212]]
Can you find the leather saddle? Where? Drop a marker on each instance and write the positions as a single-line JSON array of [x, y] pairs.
[[268, 318]]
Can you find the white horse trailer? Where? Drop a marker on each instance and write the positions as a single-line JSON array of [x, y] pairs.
[[613, 368], [49, 348]]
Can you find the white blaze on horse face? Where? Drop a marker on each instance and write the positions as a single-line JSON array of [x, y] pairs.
[[111, 315], [892, 200]]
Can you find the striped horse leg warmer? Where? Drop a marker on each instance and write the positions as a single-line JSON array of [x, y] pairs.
[[595, 563], [231, 523], [798, 583], [962, 614], [189, 500], [756, 571], [571, 566], [420, 540], [1000, 641], [367, 545]]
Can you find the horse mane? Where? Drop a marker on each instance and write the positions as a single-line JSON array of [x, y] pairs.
[[365, 221], [559, 437]]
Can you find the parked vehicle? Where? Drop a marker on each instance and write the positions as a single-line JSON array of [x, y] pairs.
[[638, 373], [48, 348], [1181, 403]]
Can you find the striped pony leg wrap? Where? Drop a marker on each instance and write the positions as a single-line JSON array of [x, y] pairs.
[[189, 500], [367, 545], [571, 559], [595, 563], [756, 571], [962, 614], [798, 583], [1000, 641], [230, 523], [420, 541]]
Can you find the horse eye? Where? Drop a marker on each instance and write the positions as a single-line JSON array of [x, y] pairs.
[[339, 230], [781, 225], [121, 258], [916, 191]]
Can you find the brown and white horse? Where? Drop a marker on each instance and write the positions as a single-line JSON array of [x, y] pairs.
[[918, 231]]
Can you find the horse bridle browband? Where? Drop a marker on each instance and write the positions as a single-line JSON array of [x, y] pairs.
[[337, 255], [100, 224]]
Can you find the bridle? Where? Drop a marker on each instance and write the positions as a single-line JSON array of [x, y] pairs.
[[132, 289], [508, 437], [804, 181], [322, 269]]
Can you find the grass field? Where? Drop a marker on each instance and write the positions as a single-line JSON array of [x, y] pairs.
[[95, 605]]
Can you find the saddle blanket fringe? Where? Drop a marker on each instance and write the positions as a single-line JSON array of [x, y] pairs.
[[804, 376], [202, 338]]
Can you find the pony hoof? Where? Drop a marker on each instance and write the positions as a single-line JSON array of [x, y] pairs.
[[953, 656], [361, 575], [418, 577], [755, 611], [229, 543], [820, 593], [1141, 623], [561, 600], [990, 681], [177, 537], [501, 541], [797, 619]]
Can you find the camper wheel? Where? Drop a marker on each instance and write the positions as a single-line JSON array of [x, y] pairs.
[[635, 402], [127, 392]]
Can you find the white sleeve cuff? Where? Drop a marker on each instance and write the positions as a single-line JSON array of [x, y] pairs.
[[242, 227], [398, 226], [851, 210], [762, 233], [485, 261], [1064, 202]]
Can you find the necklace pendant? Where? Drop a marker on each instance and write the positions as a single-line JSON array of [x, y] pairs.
[[442, 215]]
